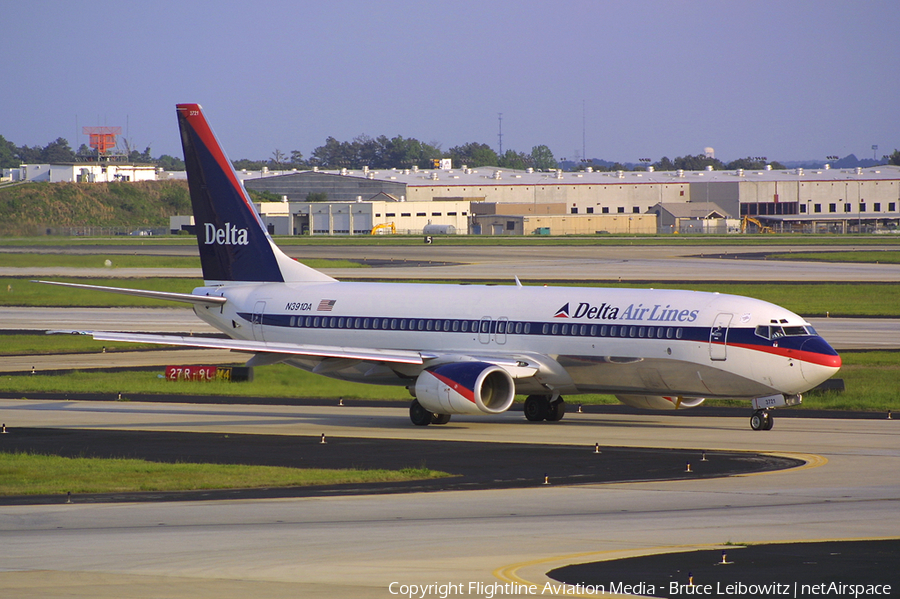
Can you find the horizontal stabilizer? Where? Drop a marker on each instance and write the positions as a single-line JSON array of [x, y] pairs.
[[189, 298]]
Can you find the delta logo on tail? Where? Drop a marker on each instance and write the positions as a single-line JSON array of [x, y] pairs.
[[228, 235], [562, 312]]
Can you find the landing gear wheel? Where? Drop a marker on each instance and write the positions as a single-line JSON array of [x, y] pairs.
[[556, 411], [440, 418], [419, 415], [761, 420], [537, 407]]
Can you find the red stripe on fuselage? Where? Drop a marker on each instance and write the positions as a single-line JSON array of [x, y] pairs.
[[803, 356]]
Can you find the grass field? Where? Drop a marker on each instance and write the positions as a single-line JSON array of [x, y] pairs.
[[32, 474], [269, 381], [21, 345], [870, 379], [22, 292], [37, 260], [882, 256]]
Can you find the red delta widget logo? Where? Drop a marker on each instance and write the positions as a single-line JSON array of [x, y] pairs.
[[655, 313]]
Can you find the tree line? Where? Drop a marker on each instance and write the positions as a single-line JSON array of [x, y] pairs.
[[383, 153], [59, 151]]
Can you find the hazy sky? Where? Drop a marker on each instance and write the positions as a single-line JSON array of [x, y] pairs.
[[782, 79]]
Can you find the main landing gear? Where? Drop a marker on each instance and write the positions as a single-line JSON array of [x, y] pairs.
[[542, 407], [762, 420], [422, 417]]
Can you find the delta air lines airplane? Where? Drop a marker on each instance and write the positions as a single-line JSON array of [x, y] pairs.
[[470, 349]]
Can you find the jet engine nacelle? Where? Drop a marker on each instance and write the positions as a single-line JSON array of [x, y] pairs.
[[465, 388], [658, 402]]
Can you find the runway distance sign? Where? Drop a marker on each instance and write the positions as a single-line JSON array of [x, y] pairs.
[[209, 373]]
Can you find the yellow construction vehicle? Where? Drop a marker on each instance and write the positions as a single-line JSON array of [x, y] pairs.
[[760, 228], [384, 226]]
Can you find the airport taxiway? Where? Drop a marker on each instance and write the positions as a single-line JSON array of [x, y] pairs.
[[357, 546], [529, 263]]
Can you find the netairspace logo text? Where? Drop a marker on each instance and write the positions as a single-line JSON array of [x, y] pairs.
[[674, 589]]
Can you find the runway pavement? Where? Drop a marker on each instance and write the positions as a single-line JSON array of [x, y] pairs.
[[538, 263], [358, 546], [148, 320]]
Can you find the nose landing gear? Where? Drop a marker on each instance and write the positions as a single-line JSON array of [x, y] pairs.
[[762, 420]]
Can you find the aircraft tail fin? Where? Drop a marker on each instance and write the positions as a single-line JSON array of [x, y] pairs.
[[234, 243]]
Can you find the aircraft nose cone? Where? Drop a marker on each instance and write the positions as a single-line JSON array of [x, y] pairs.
[[818, 361]]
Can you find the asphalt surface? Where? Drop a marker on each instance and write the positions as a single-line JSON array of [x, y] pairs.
[[473, 465], [789, 569], [117, 532]]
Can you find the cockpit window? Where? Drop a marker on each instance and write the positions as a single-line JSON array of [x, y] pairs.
[[791, 331], [777, 332]]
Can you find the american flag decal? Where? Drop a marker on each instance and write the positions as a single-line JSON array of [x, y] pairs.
[[326, 305]]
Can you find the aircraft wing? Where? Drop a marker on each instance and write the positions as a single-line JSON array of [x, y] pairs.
[[296, 349], [517, 366]]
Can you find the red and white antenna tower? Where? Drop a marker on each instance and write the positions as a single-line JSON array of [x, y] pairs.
[[102, 139]]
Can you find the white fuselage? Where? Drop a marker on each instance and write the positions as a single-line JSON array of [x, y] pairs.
[[584, 340]]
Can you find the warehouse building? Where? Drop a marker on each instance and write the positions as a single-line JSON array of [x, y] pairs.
[[378, 216], [82, 172], [796, 200]]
